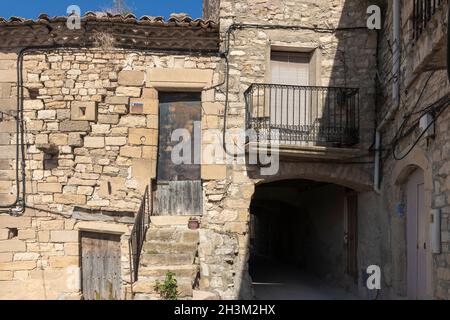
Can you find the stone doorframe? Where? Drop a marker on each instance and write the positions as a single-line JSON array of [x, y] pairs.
[[122, 230], [417, 159], [191, 80]]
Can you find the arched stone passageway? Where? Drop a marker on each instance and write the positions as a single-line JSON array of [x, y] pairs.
[[303, 240], [347, 175]]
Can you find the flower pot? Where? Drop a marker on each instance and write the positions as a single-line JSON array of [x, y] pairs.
[[193, 224]]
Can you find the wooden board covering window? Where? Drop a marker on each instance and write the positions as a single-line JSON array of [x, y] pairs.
[[179, 186]]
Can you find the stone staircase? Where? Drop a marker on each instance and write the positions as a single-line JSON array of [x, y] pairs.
[[168, 248]]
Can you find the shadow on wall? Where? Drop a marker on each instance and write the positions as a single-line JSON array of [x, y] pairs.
[[348, 61], [291, 225]]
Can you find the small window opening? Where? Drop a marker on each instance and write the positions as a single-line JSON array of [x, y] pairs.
[[34, 93], [12, 233]]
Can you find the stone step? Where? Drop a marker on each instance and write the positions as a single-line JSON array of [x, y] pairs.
[[156, 297], [167, 259], [155, 247], [181, 271], [204, 295], [147, 286], [172, 234], [146, 296], [169, 221]]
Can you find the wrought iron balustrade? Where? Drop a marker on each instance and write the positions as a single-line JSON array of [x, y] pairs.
[[423, 11], [327, 116], [139, 231]]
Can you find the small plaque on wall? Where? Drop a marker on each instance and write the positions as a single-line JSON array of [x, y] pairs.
[[144, 106], [137, 107]]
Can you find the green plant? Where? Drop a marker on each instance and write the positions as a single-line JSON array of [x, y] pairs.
[[168, 290]]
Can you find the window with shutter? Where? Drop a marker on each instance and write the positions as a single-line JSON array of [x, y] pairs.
[[290, 68], [289, 107]]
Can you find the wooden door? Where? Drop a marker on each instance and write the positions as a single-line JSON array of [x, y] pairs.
[[417, 244], [179, 187], [100, 265], [352, 240]]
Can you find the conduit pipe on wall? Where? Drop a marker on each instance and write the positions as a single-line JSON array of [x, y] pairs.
[[19, 205], [448, 42], [396, 54]]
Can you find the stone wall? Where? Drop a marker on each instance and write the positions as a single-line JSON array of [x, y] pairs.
[[91, 123], [91, 130], [430, 155], [211, 10], [343, 58], [42, 260]]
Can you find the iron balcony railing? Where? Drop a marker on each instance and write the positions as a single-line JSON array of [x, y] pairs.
[[327, 116], [139, 231], [423, 11]]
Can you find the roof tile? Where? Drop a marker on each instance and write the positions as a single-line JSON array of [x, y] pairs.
[[177, 19]]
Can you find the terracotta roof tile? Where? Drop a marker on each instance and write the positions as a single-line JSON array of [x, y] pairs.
[[178, 32], [181, 20]]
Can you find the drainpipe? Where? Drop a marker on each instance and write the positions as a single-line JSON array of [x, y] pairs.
[[448, 42], [396, 11]]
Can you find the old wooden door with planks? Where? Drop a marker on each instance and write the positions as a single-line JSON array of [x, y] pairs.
[[100, 265], [179, 186]]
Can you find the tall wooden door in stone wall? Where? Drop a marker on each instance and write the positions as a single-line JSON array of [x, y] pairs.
[[100, 265], [179, 187], [416, 237]]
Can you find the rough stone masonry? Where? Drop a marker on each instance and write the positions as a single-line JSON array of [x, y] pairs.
[[91, 132]]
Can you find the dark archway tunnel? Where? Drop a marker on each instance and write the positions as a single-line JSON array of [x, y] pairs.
[[303, 241]]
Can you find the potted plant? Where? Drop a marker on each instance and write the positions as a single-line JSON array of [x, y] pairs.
[[193, 223]]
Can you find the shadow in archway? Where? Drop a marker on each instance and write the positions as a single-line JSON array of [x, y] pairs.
[[311, 242], [300, 243]]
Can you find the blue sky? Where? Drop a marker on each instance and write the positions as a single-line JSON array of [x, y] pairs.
[[32, 8]]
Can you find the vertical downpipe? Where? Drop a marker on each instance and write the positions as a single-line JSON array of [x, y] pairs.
[[396, 54], [448, 41]]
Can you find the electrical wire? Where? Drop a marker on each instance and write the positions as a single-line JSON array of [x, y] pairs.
[[225, 54], [442, 108], [20, 201], [409, 114], [240, 26]]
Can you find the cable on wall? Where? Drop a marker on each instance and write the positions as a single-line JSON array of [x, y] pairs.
[[19, 204], [20, 200], [439, 109], [241, 26]]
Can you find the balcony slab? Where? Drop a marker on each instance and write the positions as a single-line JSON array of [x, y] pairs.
[[309, 152]]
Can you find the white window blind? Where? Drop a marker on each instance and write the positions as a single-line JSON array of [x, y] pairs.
[[290, 68], [290, 107]]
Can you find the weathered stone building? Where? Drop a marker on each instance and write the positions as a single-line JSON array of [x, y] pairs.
[[421, 91], [85, 133]]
